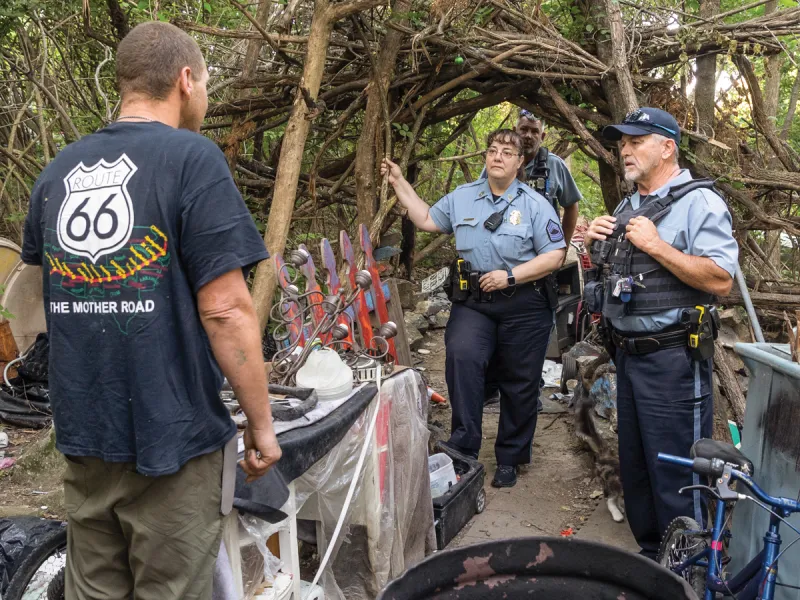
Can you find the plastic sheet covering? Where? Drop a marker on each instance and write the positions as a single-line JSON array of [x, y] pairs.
[[389, 525], [18, 536]]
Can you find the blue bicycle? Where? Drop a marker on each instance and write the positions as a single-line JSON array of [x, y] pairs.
[[697, 554]]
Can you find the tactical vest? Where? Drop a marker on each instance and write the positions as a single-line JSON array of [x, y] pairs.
[[540, 177], [654, 288]]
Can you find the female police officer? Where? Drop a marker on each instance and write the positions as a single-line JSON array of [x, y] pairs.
[[512, 237]]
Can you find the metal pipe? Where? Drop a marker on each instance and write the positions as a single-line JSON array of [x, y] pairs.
[[748, 304]]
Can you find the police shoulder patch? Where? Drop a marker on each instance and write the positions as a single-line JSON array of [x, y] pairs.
[[554, 231]]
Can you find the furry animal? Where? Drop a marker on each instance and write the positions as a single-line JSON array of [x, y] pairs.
[[606, 460]]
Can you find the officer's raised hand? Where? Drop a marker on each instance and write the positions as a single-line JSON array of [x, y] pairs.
[[601, 228], [643, 234], [494, 281], [395, 174]]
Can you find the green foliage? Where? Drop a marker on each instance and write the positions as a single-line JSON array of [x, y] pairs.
[[592, 204], [403, 130]]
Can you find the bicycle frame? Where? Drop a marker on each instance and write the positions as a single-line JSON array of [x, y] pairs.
[[755, 581]]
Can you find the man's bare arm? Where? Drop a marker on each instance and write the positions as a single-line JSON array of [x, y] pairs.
[[229, 318], [568, 222]]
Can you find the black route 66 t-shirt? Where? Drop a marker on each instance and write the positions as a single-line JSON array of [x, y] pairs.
[[128, 224]]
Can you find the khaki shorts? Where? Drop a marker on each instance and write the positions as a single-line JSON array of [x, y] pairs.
[[146, 538]]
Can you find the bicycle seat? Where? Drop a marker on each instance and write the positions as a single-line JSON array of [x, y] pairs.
[[711, 449]]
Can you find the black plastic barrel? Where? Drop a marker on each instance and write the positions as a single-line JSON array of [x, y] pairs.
[[538, 568]]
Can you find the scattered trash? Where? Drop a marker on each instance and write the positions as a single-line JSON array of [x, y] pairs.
[[736, 435], [437, 398], [3, 440], [567, 532], [604, 393], [7, 463], [423, 351], [551, 373], [436, 281], [595, 494]]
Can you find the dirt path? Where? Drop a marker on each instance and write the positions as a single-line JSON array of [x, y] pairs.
[[556, 493]]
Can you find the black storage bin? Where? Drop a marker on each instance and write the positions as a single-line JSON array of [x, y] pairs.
[[466, 498]]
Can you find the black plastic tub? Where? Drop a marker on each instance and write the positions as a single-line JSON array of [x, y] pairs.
[[454, 509], [539, 568]]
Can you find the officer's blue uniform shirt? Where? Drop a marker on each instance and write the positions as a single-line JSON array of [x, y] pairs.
[[560, 184], [698, 224], [530, 226]]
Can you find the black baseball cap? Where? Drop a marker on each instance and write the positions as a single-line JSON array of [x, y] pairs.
[[645, 121]]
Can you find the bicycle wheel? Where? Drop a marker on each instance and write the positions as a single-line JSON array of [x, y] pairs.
[[56, 589], [681, 541], [39, 568]]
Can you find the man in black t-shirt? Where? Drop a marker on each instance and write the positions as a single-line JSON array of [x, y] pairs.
[[145, 243]]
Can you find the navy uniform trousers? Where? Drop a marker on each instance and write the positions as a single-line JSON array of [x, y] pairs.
[[515, 329], [664, 404]]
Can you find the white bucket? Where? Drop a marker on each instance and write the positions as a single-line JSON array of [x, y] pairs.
[[325, 372], [442, 473]]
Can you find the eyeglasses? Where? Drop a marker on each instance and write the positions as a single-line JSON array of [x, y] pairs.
[[505, 154], [639, 116]]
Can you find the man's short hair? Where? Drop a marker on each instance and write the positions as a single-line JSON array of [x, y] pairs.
[[151, 57], [661, 138], [505, 136], [524, 113]]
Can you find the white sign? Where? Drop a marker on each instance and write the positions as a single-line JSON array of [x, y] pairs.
[[96, 217], [435, 281]]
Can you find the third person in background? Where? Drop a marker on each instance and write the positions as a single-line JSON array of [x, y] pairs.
[[548, 174]]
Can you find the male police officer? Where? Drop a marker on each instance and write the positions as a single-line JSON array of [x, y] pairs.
[[664, 254], [547, 173], [508, 239]]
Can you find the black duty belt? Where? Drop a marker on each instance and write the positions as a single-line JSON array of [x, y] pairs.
[[646, 343]]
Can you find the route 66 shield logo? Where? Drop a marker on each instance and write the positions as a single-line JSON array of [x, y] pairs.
[[96, 217]]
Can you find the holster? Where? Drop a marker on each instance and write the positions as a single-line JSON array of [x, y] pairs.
[[702, 324], [593, 290], [457, 285], [550, 288], [604, 331], [478, 295]]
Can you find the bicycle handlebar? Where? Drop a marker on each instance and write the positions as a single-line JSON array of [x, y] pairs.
[[716, 467]]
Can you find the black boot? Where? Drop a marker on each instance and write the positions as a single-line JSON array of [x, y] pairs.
[[505, 476]]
